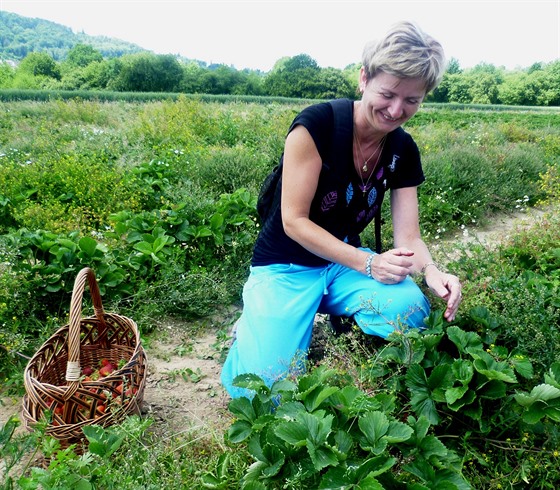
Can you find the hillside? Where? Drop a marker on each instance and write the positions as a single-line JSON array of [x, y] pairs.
[[22, 35]]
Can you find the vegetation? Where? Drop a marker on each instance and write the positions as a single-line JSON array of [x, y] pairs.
[[21, 36], [159, 199], [46, 56]]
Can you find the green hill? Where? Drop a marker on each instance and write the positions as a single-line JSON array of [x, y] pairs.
[[22, 35]]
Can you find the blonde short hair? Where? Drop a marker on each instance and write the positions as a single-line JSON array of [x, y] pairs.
[[406, 52]]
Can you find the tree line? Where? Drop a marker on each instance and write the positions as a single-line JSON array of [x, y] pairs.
[[85, 68]]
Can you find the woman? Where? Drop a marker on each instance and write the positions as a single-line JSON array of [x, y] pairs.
[[308, 256]]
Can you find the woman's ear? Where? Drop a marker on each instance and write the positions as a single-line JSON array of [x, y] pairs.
[[363, 80]]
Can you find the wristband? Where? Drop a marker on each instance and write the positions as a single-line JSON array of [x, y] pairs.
[[368, 265], [426, 266]]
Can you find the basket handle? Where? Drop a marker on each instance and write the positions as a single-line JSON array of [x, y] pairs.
[[73, 371]]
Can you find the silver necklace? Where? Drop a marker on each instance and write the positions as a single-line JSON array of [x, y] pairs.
[[379, 151]]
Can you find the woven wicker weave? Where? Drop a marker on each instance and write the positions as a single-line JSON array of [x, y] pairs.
[[53, 377]]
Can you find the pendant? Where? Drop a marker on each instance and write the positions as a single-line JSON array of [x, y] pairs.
[[364, 168]]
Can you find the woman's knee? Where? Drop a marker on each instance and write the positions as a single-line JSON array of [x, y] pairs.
[[405, 307]]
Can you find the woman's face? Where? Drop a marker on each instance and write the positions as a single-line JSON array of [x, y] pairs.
[[388, 102]]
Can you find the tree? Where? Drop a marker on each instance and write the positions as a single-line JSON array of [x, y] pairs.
[[146, 72], [39, 65], [82, 55], [334, 84], [453, 66], [294, 77], [458, 89], [192, 78], [514, 90], [6, 75]]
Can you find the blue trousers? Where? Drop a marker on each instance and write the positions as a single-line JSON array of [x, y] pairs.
[[280, 302]]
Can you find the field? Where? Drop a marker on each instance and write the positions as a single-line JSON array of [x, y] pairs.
[[159, 199]]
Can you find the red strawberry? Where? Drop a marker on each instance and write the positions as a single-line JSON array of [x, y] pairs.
[[118, 389], [87, 371], [106, 370]]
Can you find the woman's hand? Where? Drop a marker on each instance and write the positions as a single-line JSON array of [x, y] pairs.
[[447, 287], [393, 266]]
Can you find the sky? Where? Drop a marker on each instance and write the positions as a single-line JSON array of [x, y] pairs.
[[255, 34]]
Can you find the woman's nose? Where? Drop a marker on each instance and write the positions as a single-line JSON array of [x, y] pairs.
[[396, 109]]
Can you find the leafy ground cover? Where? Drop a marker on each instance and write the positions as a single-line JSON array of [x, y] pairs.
[[159, 199]]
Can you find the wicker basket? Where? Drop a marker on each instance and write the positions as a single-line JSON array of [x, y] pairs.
[[53, 378]]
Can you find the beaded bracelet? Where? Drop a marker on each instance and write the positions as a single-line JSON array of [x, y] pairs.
[[426, 266], [368, 265]]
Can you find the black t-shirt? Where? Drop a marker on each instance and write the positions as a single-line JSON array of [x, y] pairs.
[[342, 205]]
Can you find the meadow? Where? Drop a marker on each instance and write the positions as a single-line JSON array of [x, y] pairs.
[[159, 197]]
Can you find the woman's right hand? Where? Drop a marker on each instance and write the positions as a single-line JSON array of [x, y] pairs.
[[393, 266]]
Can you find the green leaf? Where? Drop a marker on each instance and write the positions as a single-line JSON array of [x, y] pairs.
[[374, 426], [493, 390], [375, 466], [431, 341], [369, 483], [454, 394], [159, 243], [466, 342], [243, 409], [542, 392], [275, 459], [68, 244], [314, 399], [431, 446], [102, 442], [553, 376], [420, 426], [416, 379], [534, 413], [322, 456], [144, 247], [208, 480], [290, 410], [239, 431], [423, 405], [344, 443], [319, 426], [469, 397], [254, 485], [398, 432], [485, 364], [88, 245], [337, 479], [292, 432], [251, 381], [523, 366], [316, 378], [463, 370]]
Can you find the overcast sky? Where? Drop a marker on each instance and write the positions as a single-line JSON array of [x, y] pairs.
[[256, 34]]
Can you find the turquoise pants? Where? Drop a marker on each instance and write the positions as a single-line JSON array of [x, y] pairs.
[[279, 306]]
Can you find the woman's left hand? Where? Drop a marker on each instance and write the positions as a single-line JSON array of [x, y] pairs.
[[446, 286]]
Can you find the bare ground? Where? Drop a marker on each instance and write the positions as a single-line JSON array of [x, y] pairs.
[[183, 390]]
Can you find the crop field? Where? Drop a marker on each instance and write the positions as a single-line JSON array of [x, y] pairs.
[[158, 197]]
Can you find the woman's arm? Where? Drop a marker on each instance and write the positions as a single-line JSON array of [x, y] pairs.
[[406, 229], [300, 177]]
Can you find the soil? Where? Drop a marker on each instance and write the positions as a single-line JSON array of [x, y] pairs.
[[183, 390]]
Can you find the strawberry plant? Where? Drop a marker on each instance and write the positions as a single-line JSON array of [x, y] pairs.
[[322, 432], [433, 398]]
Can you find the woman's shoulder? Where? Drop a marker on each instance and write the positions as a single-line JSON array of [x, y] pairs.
[[320, 112]]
